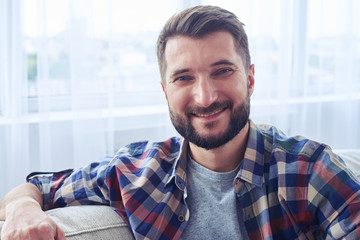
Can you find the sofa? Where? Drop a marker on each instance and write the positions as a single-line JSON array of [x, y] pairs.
[[89, 222], [101, 222]]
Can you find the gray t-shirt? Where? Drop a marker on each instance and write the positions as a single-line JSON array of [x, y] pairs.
[[215, 212]]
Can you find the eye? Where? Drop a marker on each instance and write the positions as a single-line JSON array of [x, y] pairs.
[[223, 72], [182, 79]]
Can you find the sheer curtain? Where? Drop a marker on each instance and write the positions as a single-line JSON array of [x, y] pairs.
[[307, 66], [79, 79]]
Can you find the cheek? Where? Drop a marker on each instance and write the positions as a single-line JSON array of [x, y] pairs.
[[235, 90], [178, 99]]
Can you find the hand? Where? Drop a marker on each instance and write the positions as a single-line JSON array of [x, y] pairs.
[[26, 220]]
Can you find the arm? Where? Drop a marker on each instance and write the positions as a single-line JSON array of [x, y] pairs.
[[22, 207], [22, 211], [337, 197]]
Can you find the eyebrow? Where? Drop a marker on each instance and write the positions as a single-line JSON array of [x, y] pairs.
[[222, 62], [180, 71]]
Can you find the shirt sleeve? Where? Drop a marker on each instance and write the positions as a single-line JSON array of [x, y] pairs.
[[334, 196], [84, 186]]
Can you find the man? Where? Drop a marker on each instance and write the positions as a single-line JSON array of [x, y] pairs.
[[227, 178]]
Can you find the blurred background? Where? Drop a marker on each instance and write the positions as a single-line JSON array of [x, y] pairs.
[[79, 78]]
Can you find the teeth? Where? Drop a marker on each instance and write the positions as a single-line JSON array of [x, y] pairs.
[[209, 114]]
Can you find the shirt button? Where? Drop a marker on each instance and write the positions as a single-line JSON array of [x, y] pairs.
[[181, 218]]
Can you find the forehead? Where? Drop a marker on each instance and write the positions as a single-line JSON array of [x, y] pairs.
[[187, 52]]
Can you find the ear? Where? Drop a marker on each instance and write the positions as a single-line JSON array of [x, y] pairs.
[[251, 79], [164, 89]]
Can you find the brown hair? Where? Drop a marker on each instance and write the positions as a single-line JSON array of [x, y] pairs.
[[199, 21]]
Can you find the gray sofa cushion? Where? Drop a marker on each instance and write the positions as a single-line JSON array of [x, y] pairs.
[[90, 222], [352, 159]]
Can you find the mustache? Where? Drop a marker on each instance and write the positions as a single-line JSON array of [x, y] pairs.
[[216, 106]]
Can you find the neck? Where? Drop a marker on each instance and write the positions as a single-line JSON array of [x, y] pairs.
[[224, 158]]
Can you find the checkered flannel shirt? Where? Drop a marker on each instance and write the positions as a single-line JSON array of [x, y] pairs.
[[289, 188]]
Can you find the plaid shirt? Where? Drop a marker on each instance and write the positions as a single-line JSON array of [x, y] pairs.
[[290, 188]]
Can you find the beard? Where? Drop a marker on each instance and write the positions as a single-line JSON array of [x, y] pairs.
[[238, 119]]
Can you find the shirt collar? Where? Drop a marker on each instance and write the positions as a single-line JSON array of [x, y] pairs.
[[252, 167], [179, 171]]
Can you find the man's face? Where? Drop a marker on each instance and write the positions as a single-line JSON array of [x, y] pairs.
[[207, 88]]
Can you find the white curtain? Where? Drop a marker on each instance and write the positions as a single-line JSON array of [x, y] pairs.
[[79, 79], [307, 66]]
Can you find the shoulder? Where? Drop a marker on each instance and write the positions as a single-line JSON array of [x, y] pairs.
[[291, 155], [299, 156], [279, 144], [148, 148], [144, 154]]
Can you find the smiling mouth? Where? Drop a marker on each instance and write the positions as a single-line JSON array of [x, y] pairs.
[[208, 114]]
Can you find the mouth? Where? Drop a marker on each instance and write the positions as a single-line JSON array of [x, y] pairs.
[[210, 112], [204, 115]]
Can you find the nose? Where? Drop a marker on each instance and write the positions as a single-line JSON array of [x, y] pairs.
[[205, 92]]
